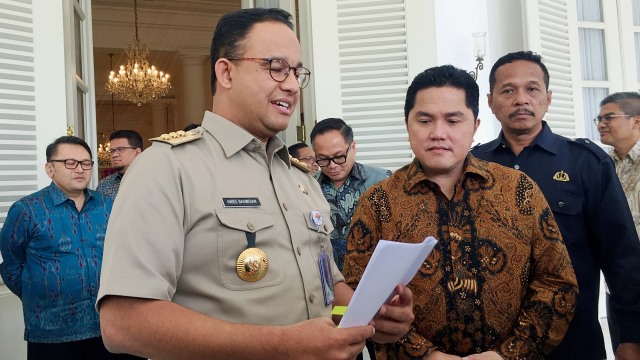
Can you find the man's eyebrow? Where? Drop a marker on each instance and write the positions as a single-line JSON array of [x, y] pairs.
[[447, 114]]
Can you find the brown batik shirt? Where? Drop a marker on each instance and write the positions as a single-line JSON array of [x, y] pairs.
[[499, 279]]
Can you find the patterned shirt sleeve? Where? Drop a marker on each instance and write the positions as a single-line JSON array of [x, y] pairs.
[[549, 303], [12, 243], [363, 238]]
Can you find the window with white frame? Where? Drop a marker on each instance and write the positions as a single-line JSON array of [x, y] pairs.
[[602, 67], [362, 50], [79, 63], [592, 49]]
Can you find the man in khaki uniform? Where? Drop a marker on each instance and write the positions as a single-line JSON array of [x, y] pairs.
[[217, 238]]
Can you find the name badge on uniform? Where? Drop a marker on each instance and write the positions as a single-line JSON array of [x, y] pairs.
[[324, 262], [241, 202]]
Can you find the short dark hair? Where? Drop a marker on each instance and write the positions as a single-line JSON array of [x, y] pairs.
[[293, 149], [232, 29], [72, 140], [134, 139], [330, 124], [628, 102], [443, 76], [529, 56]]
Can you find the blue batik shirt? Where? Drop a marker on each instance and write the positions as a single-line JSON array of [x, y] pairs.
[[52, 257], [110, 184], [343, 202]]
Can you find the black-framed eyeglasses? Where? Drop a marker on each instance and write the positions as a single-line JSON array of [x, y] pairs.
[[71, 164], [120, 149], [338, 160], [607, 118], [280, 70]]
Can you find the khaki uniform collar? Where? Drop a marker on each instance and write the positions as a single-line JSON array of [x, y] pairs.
[[233, 138]]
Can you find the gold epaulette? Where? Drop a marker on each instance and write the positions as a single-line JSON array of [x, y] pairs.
[[178, 137], [299, 164]]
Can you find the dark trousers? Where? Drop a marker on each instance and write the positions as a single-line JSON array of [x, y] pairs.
[[88, 349], [614, 330]]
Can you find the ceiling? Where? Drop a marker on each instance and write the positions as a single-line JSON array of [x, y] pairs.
[[180, 6], [170, 28]]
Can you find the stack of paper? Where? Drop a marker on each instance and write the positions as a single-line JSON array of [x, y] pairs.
[[391, 263]]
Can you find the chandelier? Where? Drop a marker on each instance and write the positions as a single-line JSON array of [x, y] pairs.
[[137, 81], [104, 159]]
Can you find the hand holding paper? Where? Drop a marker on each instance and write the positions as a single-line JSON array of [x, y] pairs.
[[391, 263], [393, 321]]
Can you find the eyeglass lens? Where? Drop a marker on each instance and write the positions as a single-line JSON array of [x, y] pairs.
[[280, 69], [118, 150], [72, 164]]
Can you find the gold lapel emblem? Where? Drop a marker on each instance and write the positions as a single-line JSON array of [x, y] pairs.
[[252, 264], [303, 189], [561, 176]]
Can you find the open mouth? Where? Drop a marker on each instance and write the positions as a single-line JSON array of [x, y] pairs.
[[281, 104]]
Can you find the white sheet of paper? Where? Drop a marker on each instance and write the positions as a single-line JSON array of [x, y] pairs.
[[391, 263]]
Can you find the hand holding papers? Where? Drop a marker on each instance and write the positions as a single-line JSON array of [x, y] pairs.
[[391, 263]]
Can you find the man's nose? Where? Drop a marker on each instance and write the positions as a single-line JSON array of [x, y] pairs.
[[438, 130], [521, 98], [291, 83]]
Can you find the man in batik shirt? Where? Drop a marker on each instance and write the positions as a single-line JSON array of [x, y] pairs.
[[499, 284], [619, 126], [341, 178], [124, 147], [51, 243]]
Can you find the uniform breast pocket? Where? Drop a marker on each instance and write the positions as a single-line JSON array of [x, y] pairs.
[[567, 209], [237, 227], [564, 203]]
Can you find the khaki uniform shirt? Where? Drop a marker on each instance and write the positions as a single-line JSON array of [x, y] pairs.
[[171, 238], [628, 170]]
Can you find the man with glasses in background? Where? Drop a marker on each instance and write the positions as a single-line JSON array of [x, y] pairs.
[[619, 126], [124, 147], [218, 245], [52, 243], [342, 179], [304, 153]]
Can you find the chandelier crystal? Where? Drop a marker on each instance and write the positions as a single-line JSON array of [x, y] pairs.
[[137, 81], [104, 158]]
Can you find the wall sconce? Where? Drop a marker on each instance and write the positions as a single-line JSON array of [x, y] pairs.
[[479, 51]]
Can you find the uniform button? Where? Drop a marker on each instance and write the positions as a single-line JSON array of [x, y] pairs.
[[284, 205], [250, 226], [517, 167], [299, 250], [326, 228], [312, 298], [560, 204], [587, 141]]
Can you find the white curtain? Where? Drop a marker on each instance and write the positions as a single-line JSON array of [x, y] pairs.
[[636, 22], [590, 10], [592, 97], [592, 61], [637, 38], [592, 54], [267, 3]]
